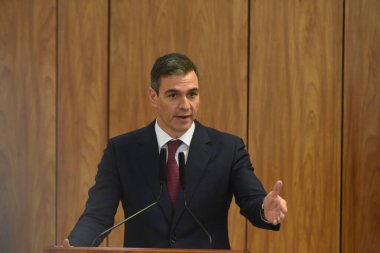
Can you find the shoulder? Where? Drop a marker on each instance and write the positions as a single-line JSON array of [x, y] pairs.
[[128, 136], [134, 137], [223, 146], [216, 135]]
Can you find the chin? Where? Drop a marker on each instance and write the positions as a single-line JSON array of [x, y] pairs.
[[183, 128]]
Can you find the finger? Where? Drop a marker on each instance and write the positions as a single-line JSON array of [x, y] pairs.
[[283, 207], [66, 243], [277, 187]]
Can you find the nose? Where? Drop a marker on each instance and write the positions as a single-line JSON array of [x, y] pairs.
[[184, 103]]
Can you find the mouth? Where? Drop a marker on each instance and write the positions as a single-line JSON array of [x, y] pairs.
[[184, 116]]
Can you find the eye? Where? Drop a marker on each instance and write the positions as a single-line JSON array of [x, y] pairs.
[[193, 94], [172, 95]]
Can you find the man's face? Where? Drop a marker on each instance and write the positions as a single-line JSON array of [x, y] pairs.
[[177, 103]]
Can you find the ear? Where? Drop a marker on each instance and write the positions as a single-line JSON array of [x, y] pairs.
[[153, 96]]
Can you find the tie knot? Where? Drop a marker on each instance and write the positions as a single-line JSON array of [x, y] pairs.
[[173, 146]]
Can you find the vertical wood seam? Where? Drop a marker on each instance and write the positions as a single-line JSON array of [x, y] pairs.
[[108, 77], [56, 115], [342, 129], [248, 99]]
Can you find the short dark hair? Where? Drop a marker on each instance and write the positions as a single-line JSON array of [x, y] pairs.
[[170, 64]]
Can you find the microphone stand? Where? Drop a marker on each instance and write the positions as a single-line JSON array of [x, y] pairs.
[[182, 165], [97, 241], [196, 219]]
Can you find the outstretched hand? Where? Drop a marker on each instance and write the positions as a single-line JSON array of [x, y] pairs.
[[274, 206]]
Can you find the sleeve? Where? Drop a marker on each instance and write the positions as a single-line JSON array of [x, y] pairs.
[[102, 202], [248, 191]]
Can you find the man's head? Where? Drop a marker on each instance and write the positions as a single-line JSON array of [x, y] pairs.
[[174, 93]]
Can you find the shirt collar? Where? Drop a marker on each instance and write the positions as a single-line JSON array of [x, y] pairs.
[[163, 137]]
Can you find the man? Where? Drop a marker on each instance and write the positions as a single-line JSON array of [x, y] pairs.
[[217, 167]]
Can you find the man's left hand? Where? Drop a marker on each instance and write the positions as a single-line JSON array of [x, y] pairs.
[[274, 206]]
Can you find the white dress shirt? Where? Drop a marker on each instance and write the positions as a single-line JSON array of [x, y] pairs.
[[163, 138]]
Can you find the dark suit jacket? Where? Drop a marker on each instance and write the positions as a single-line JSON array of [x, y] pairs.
[[218, 166]]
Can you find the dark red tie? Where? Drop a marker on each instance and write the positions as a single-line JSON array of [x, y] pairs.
[[173, 173]]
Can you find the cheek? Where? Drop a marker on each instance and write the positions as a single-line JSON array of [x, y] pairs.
[[167, 110], [195, 106]]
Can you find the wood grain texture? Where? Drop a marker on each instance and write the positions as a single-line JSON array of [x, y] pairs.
[[27, 125], [361, 165], [295, 119], [212, 33], [82, 104]]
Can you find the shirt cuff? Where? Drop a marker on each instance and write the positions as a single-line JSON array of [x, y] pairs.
[[262, 216]]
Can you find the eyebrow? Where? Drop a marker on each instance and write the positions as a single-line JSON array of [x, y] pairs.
[[175, 90]]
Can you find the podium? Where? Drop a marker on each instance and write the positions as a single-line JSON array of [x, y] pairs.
[[134, 250]]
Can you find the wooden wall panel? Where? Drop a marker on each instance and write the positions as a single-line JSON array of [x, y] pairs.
[[294, 107], [27, 125], [361, 166], [212, 33], [82, 104], [295, 119]]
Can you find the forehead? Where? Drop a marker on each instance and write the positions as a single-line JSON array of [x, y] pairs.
[[186, 81]]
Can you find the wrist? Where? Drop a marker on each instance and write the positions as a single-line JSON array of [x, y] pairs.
[[262, 214]]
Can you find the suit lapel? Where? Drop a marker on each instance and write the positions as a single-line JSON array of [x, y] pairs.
[[148, 157], [198, 158]]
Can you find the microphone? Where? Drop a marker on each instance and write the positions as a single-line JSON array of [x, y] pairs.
[[182, 179], [162, 175]]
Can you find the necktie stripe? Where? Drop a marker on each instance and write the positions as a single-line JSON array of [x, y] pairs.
[[173, 172]]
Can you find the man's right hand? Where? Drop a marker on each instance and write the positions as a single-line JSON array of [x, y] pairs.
[[66, 243]]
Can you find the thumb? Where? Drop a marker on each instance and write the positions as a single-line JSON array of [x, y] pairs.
[[66, 243], [277, 187]]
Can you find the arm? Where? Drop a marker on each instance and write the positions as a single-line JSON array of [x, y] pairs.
[[102, 202], [250, 194]]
